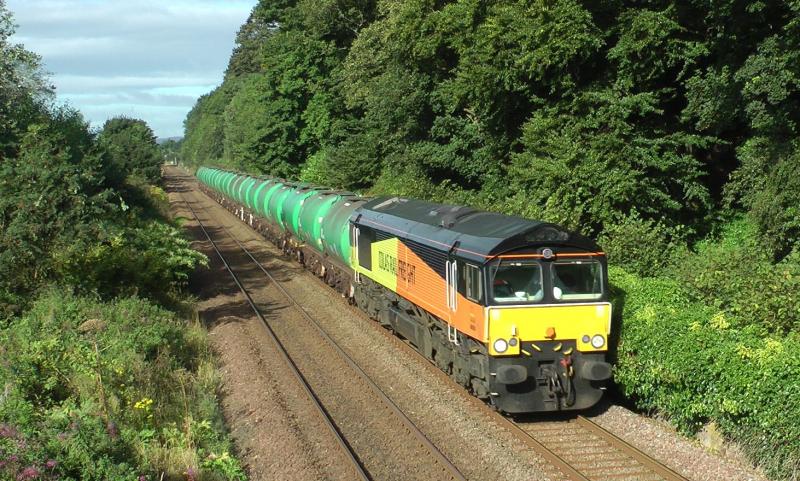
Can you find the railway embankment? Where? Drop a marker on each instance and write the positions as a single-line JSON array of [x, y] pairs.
[[104, 371], [695, 364]]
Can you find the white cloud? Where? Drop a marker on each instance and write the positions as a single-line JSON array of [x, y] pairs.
[[90, 83], [131, 54]]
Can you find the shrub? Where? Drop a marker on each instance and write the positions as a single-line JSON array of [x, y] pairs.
[[691, 363], [642, 246], [150, 259], [132, 148], [109, 391], [735, 273]]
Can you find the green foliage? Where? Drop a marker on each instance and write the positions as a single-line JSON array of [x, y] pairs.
[[735, 274], [768, 185], [23, 87], [152, 259], [132, 148], [692, 363], [518, 53], [51, 193], [68, 213], [203, 138], [62, 190], [170, 150], [61, 221], [590, 163], [260, 131], [90, 390], [652, 49], [582, 113], [643, 247], [98, 391]]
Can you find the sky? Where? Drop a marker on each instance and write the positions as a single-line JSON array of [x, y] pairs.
[[145, 59]]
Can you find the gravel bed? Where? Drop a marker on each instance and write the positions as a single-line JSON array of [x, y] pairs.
[[376, 434], [684, 456], [274, 440]]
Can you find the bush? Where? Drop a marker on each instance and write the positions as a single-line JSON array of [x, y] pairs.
[[642, 246], [132, 148], [689, 362], [767, 183], [97, 391], [735, 273], [151, 259]]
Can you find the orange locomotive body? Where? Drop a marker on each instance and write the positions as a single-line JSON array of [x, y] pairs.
[[516, 310]]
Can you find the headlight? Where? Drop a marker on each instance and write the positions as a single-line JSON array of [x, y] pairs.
[[500, 346], [598, 341]]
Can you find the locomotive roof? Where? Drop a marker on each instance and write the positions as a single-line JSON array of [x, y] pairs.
[[479, 235]]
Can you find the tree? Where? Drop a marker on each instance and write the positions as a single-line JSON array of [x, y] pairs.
[[132, 148], [203, 141], [170, 149], [585, 113], [23, 87], [50, 198]]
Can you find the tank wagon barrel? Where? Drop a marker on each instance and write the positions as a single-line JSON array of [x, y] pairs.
[[515, 310]]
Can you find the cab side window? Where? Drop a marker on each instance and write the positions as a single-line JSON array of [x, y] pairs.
[[366, 236], [470, 284]]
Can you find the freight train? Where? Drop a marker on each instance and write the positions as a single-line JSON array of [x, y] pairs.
[[515, 310]]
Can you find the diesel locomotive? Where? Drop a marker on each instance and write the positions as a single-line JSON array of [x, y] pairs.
[[515, 310]]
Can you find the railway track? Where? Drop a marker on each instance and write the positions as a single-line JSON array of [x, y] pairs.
[[594, 453], [427, 462], [578, 448]]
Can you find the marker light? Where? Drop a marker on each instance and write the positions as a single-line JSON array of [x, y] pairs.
[[500, 346], [598, 341]]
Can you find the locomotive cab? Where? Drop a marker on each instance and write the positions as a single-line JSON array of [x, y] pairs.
[[548, 320]]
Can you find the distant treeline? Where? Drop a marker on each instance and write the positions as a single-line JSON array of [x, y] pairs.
[[668, 130]]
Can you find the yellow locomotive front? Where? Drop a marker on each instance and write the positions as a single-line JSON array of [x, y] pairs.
[[548, 321]]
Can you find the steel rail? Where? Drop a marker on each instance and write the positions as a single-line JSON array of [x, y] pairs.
[[632, 451], [358, 468]]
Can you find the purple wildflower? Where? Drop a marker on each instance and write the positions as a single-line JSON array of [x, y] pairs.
[[7, 431], [28, 473], [13, 458], [51, 464], [191, 475], [62, 436], [143, 478]]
